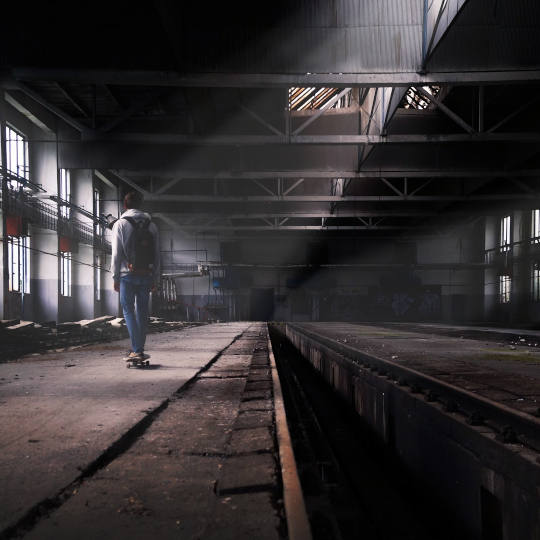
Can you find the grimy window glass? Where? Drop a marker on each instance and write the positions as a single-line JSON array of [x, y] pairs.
[[17, 162], [506, 236], [19, 264], [505, 284], [535, 282], [98, 229], [535, 226], [65, 274], [97, 277], [64, 192]]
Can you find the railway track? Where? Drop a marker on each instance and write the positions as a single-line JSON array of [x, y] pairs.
[[510, 425], [353, 487]]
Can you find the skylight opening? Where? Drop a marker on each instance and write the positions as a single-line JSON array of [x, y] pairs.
[[415, 100], [313, 98]]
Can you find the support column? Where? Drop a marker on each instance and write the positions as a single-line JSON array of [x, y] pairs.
[[83, 264], [521, 270], [44, 274], [4, 250]]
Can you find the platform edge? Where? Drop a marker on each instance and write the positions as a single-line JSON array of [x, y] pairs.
[[293, 498]]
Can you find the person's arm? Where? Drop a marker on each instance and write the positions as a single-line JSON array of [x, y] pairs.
[[116, 248], [157, 257]]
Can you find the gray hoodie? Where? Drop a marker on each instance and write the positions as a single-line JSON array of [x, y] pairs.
[[121, 232]]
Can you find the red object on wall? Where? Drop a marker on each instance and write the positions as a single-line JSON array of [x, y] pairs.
[[15, 226], [64, 244]]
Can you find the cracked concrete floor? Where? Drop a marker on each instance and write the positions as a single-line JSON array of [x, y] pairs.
[[60, 411]]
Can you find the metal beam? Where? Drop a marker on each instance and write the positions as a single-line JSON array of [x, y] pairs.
[[261, 120], [270, 80], [65, 92], [112, 97], [427, 50], [481, 107], [333, 198], [523, 185], [328, 174], [16, 104], [392, 187], [167, 186], [320, 112], [53, 108], [300, 227], [167, 219], [135, 186], [104, 179], [451, 114], [263, 187], [265, 140], [513, 114], [296, 184], [307, 215], [422, 186], [134, 108]]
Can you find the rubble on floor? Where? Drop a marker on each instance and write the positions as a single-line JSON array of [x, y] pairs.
[[18, 337]]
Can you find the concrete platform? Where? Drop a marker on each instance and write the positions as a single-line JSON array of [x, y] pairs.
[[185, 449], [490, 365], [448, 410]]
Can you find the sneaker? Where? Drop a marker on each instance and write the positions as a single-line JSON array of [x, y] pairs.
[[133, 356], [144, 356]]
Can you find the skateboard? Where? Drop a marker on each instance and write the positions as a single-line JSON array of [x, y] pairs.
[[138, 363]]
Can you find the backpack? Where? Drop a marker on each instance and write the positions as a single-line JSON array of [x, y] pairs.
[[140, 247]]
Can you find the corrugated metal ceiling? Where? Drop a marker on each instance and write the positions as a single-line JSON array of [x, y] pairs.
[[491, 35]]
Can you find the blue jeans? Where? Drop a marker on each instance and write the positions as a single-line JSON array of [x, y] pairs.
[[134, 295]]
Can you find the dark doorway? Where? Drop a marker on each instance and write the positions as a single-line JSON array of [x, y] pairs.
[[261, 306]]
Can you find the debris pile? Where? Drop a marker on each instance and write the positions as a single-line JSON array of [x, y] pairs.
[[18, 337]]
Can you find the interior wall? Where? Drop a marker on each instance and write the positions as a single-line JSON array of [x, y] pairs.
[[197, 298], [433, 278], [517, 262], [44, 302]]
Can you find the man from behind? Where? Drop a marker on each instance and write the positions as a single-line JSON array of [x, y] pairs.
[[135, 267]]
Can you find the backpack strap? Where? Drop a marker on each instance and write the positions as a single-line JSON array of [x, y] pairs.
[[135, 222], [130, 220]]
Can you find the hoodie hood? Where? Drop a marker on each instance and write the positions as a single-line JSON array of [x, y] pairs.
[[135, 213]]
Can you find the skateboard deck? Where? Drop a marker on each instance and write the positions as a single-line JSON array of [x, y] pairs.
[[138, 363]]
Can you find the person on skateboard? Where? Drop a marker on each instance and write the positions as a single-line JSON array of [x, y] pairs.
[[135, 267]]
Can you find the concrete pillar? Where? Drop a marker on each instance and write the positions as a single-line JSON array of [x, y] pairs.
[[44, 284], [109, 303], [3, 250], [521, 267], [83, 290], [44, 274], [491, 284], [83, 283]]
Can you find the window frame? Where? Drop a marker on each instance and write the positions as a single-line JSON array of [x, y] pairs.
[[97, 278], [66, 273], [21, 153], [97, 208], [505, 234], [535, 282], [64, 192], [505, 288], [19, 264], [535, 226]]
